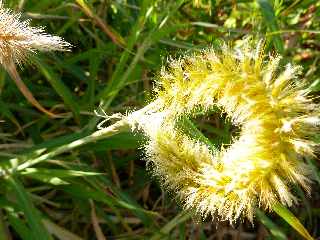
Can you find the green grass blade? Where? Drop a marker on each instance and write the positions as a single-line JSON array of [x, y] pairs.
[[61, 89], [273, 228], [61, 173], [191, 129], [5, 111], [60, 232], [120, 76], [20, 227], [30, 212], [4, 233], [13, 219], [115, 83], [180, 218], [55, 176], [292, 220], [271, 21], [122, 141], [47, 179]]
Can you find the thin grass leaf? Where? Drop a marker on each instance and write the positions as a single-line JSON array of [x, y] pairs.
[[4, 233], [314, 169], [109, 31], [94, 64], [286, 215], [5, 111], [61, 173], [30, 212], [177, 220], [21, 162], [315, 86], [52, 143], [20, 227], [12, 71], [55, 176], [273, 228], [84, 192], [115, 83], [14, 221], [121, 141], [154, 35], [61, 89], [271, 21], [190, 128], [47, 179], [59, 232], [182, 231]]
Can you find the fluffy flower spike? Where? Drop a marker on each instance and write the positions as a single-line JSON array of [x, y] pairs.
[[18, 39], [271, 107]]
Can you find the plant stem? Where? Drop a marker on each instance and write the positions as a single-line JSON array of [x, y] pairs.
[[120, 126], [12, 71]]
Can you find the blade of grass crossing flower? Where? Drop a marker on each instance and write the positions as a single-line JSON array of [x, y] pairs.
[[190, 128], [32, 216], [271, 21], [292, 220], [273, 228], [123, 140], [52, 143]]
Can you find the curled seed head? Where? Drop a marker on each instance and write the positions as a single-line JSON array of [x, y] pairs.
[[270, 105]]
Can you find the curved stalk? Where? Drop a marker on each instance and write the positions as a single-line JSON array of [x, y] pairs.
[[12, 71]]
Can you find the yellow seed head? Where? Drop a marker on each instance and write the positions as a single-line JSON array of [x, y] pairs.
[[277, 121]]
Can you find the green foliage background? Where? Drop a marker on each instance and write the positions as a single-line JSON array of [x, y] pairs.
[[101, 190]]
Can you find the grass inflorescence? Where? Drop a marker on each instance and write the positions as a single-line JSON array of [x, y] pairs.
[[276, 117]]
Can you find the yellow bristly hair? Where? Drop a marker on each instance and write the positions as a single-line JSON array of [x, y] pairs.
[[276, 117]]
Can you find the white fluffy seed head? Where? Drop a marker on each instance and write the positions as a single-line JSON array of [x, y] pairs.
[[18, 39]]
